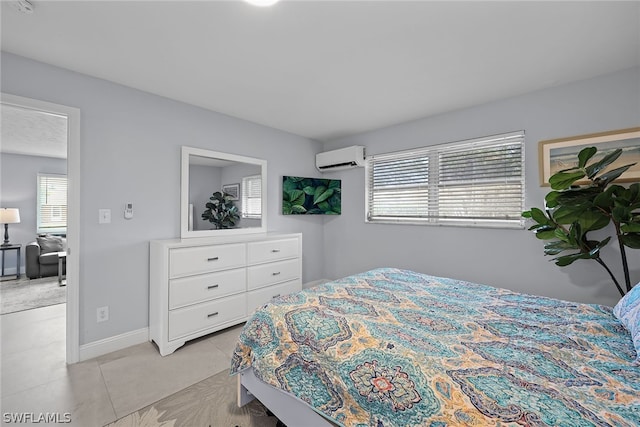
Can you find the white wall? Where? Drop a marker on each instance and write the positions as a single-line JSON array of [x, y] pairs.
[[506, 258], [18, 189], [130, 153]]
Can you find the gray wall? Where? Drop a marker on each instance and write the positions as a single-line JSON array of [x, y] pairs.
[[203, 181], [130, 153], [506, 258], [18, 189]]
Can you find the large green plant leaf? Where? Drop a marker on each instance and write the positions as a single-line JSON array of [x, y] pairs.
[[546, 233], [556, 247], [631, 240], [562, 180], [597, 167], [567, 214], [584, 155], [573, 196], [631, 227], [565, 260], [612, 175], [593, 220], [539, 216]]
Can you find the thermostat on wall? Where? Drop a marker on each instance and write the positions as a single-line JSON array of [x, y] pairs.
[[128, 211]]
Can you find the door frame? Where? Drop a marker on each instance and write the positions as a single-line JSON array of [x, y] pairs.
[[73, 212]]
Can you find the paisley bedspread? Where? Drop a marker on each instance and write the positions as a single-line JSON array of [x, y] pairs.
[[393, 347]]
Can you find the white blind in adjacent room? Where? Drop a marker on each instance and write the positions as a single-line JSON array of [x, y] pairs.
[[252, 197], [52, 203], [477, 182]]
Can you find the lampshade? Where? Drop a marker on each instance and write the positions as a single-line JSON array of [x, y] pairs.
[[9, 215]]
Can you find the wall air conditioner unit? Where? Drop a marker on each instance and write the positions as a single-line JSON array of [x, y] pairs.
[[343, 158]]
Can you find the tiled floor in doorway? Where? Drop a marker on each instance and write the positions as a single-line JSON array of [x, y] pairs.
[[36, 380]]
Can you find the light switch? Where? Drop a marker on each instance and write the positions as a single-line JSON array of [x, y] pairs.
[[104, 216]]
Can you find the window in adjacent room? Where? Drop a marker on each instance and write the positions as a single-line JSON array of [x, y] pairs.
[[52, 204], [252, 197], [477, 182]]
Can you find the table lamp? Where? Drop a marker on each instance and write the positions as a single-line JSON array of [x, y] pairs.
[[8, 216]]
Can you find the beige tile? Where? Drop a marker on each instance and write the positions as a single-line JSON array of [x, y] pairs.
[[81, 393], [146, 349], [226, 340], [140, 378], [33, 367], [35, 315], [19, 336], [36, 379]]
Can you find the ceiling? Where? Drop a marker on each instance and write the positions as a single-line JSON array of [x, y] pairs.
[[33, 133], [328, 69]]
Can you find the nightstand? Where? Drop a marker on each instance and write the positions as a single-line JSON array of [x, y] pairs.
[[16, 248]]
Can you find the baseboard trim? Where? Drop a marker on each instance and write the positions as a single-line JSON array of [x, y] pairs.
[[118, 342]]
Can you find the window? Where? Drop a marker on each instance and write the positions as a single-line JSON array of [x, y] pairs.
[[252, 197], [478, 182], [52, 204]]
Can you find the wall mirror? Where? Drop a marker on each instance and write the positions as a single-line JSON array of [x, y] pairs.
[[243, 180]]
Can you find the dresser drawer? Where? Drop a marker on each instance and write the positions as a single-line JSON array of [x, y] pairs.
[[263, 295], [203, 287], [272, 250], [187, 320], [203, 259], [274, 272]]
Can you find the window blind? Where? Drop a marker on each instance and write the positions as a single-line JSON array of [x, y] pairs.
[[252, 197], [474, 182], [52, 204]]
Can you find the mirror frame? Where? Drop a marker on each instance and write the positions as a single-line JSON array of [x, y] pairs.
[[185, 233]]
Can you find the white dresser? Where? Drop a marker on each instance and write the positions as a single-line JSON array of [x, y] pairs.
[[202, 285]]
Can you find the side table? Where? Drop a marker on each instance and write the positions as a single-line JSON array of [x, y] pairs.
[[62, 258], [16, 248]]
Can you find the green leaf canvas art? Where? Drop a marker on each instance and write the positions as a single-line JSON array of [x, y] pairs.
[[311, 196]]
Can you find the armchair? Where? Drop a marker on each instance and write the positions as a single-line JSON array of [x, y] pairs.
[[41, 256]]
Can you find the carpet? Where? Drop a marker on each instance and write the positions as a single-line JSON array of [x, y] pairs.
[[209, 403], [25, 294]]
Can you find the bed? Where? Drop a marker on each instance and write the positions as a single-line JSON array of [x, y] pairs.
[[392, 347]]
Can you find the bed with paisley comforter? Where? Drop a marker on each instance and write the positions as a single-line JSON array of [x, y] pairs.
[[392, 347]]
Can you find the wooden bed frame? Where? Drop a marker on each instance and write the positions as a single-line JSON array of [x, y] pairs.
[[286, 407]]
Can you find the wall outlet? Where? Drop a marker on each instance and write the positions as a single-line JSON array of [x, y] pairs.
[[102, 314]]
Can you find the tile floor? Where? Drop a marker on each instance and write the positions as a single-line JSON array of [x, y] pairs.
[[35, 378]]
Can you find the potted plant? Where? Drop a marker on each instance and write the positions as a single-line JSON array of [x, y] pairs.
[[572, 212], [221, 211]]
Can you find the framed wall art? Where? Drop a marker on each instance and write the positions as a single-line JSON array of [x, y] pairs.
[[233, 190], [557, 154]]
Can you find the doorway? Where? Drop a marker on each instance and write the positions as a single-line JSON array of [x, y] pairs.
[[73, 211]]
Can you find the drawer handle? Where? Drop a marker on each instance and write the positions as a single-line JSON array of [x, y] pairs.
[[212, 286], [276, 273], [275, 251], [275, 296], [213, 259], [212, 315]]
